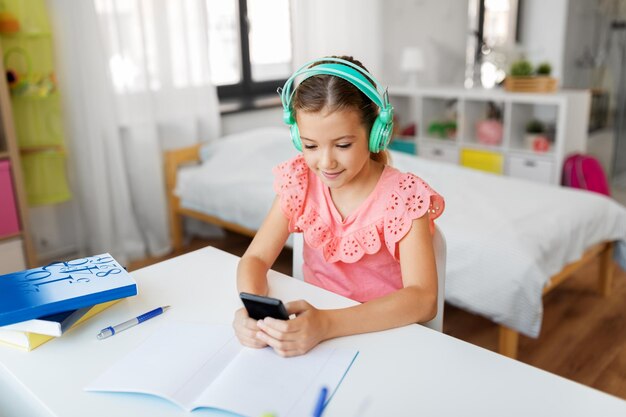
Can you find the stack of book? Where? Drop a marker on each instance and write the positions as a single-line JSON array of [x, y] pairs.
[[40, 304]]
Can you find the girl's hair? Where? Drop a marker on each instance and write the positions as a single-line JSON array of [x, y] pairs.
[[327, 91]]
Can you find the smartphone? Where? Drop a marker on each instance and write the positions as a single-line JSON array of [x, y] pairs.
[[259, 307]]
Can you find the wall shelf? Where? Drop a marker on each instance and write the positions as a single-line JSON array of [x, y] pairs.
[[565, 112]]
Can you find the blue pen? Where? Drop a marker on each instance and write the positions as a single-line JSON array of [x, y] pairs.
[[319, 407], [111, 330]]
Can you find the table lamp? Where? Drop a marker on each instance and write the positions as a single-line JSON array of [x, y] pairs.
[[412, 63]]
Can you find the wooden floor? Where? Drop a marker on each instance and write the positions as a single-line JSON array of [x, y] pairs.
[[583, 336]]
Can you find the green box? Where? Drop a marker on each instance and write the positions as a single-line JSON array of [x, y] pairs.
[[403, 145]]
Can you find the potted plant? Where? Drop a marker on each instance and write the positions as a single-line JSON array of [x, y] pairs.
[[536, 138], [544, 69], [521, 68], [523, 77]]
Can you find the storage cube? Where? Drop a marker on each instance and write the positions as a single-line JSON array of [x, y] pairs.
[[9, 223], [483, 160]]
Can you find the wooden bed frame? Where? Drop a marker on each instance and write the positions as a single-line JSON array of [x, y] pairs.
[[508, 338]]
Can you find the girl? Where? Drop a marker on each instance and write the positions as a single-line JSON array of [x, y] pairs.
[[367, 227]]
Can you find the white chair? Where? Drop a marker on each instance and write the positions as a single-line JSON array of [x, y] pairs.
[[439, 245]]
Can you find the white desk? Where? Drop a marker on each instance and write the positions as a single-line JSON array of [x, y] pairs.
[[403, 372]]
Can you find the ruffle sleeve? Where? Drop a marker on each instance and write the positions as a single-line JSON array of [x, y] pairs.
[[290, 184], [410, 199]]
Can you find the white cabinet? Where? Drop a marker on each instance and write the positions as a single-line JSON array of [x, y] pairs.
[[439, 151], [530, 168], [456, 125]]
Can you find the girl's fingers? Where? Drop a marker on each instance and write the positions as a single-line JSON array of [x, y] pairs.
[[275, 333], [250, 333], [289, 353], [297, 307], [249, 337], [285, 349], [242, 321], [252, 342], [250, 324], [246, 330], [289, 337], [283, 326], [276, 344]]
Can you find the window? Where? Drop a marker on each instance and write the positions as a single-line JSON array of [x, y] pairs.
[[494, 29], [249, 45], [241, 46], [154, 49]]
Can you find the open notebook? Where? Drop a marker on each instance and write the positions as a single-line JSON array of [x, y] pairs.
[[199, 365]]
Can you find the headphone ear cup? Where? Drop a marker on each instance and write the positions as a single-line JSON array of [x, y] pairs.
[[380, 135], [295, 136]]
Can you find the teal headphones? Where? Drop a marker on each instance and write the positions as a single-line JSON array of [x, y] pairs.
[[383, 125]]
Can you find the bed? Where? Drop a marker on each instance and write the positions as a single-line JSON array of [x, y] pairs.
[[509, 241]]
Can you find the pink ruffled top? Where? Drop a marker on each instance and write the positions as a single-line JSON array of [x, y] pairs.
[[347, 256]]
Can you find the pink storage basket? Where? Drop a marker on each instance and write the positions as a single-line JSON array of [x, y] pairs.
[[9, 223]]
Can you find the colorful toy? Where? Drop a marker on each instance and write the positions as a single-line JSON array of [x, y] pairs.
[[9, 23], [489, 132], [20, 78]]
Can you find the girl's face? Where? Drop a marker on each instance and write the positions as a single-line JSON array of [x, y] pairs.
[[335, 146]]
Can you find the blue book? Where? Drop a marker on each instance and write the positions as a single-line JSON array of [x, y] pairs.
[[62, 286]]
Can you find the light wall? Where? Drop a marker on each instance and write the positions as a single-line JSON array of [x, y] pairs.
[[439, 27], [581, 25], [589, 39], [338, 27], [543, 29]]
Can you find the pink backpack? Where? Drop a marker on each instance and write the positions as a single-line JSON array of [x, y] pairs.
[[585, 172]]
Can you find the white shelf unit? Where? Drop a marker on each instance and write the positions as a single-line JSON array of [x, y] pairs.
[[566, 112], [407, 106]]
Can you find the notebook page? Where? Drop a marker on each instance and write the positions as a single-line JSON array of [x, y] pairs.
[[259, 381], [177, 362]]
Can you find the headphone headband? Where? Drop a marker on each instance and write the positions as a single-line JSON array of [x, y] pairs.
[[381, 132], [337, 67]]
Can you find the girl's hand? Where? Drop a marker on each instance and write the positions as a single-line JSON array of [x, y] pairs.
[[297, 336], [246, 330]]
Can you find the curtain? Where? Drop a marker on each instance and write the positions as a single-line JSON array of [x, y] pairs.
[[134, 75]]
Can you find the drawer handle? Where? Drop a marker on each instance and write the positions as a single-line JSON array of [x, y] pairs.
[[437, 152], [530, 163]]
